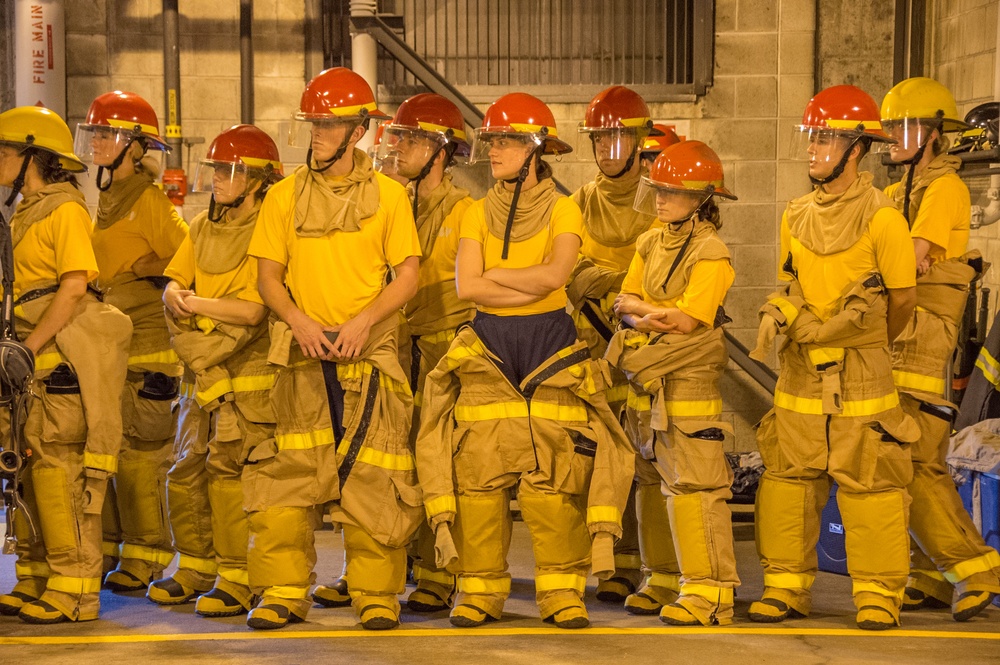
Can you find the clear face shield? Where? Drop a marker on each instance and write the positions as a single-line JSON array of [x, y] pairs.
[[505, 151], [408, 150], [667, 203], [100, 144], [613, 148], [226, 181], [323, 135], [825, 148], [909, 134]]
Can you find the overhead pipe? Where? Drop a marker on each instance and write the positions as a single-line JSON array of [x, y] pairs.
[[174, 180], [364, 55], [246, 62]]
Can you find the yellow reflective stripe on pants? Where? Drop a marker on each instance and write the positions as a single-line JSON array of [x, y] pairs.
[[914, 381], [110, 549], [483, 585], [235, 575], [165, 357], [639, 402], [206, 566], [31, 569], [427, 575], [455, 356], [693, 408], [304, 440], [142, 553], [721, 595], [380, 459], [418, 399], [871, 587], [51, 360], [665, 581], [441, 504], [499, 410], [556, 581], [107, 463], [980, 564], [628, 561], [851, 408], [616, 393], [932, 574], [239, 384], [356, 371], [187, 390], [439, 337], [287, 592], [74, 585], [604, 514], [986, 363], [789, 580]]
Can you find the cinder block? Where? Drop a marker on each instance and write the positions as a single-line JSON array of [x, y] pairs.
[[964, 79], [86, 17], [80, 92], [209, 17], [210, 55], [725, 15], [792, 180], [742, 304], [796, 53], [744, 223], [214, 98], [797, 15], [720, 102], [88, 54], [277, 98], [746, 53], [737, 139], [149, 88], [983, 76], [754, 264], [279, 55], [756, 96], [794, 92], [754, 182], [757, 16]]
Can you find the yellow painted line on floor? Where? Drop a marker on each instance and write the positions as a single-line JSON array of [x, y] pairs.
[[483, 632]]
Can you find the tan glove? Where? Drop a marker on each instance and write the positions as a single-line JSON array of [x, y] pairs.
[[602, 557], [445, 553]]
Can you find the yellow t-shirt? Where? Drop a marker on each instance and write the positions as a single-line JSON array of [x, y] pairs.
[[58, 244], [151, 225], [440, 265], [611, 258], [705, 291], [943, 216], [242, 281], [824, 279], [334, 277], [566, 218]]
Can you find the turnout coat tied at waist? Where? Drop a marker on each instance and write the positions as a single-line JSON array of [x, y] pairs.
[[480, 433], [363, 464]]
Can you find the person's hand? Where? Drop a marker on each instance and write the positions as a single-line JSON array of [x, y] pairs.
[[625, 303], [352, 336], [174, 300], [924, 266], [309, 334], [656, 322]]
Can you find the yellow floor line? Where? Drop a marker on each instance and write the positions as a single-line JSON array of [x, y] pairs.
[[483, 632]]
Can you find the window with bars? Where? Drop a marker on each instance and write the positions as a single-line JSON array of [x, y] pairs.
[[563, 50]]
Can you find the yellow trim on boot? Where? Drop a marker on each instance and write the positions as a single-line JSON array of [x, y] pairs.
[[483, 585], [872, 587], [110, 549], [74, 585], [144, 553], [238, 576], [556, 581], [980, 564], [285, 592], [628, 561], [795, 581]]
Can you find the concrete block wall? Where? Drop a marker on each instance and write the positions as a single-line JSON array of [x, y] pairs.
[[962, 55]]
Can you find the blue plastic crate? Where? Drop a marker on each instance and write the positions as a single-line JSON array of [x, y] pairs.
[[989, 506], [831, 549]]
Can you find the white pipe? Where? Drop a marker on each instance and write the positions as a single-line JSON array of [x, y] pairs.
[[40, 54], [364, 58]]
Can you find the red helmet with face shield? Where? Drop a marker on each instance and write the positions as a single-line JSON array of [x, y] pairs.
[[689, 169]]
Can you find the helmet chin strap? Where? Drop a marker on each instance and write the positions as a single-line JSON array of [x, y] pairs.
[[18, 181], [912, 163], [105, 185], [518, 182], [327, 163], [838, 170], [424, 172]]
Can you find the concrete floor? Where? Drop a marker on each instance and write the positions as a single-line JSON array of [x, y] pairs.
[[133, 630]]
